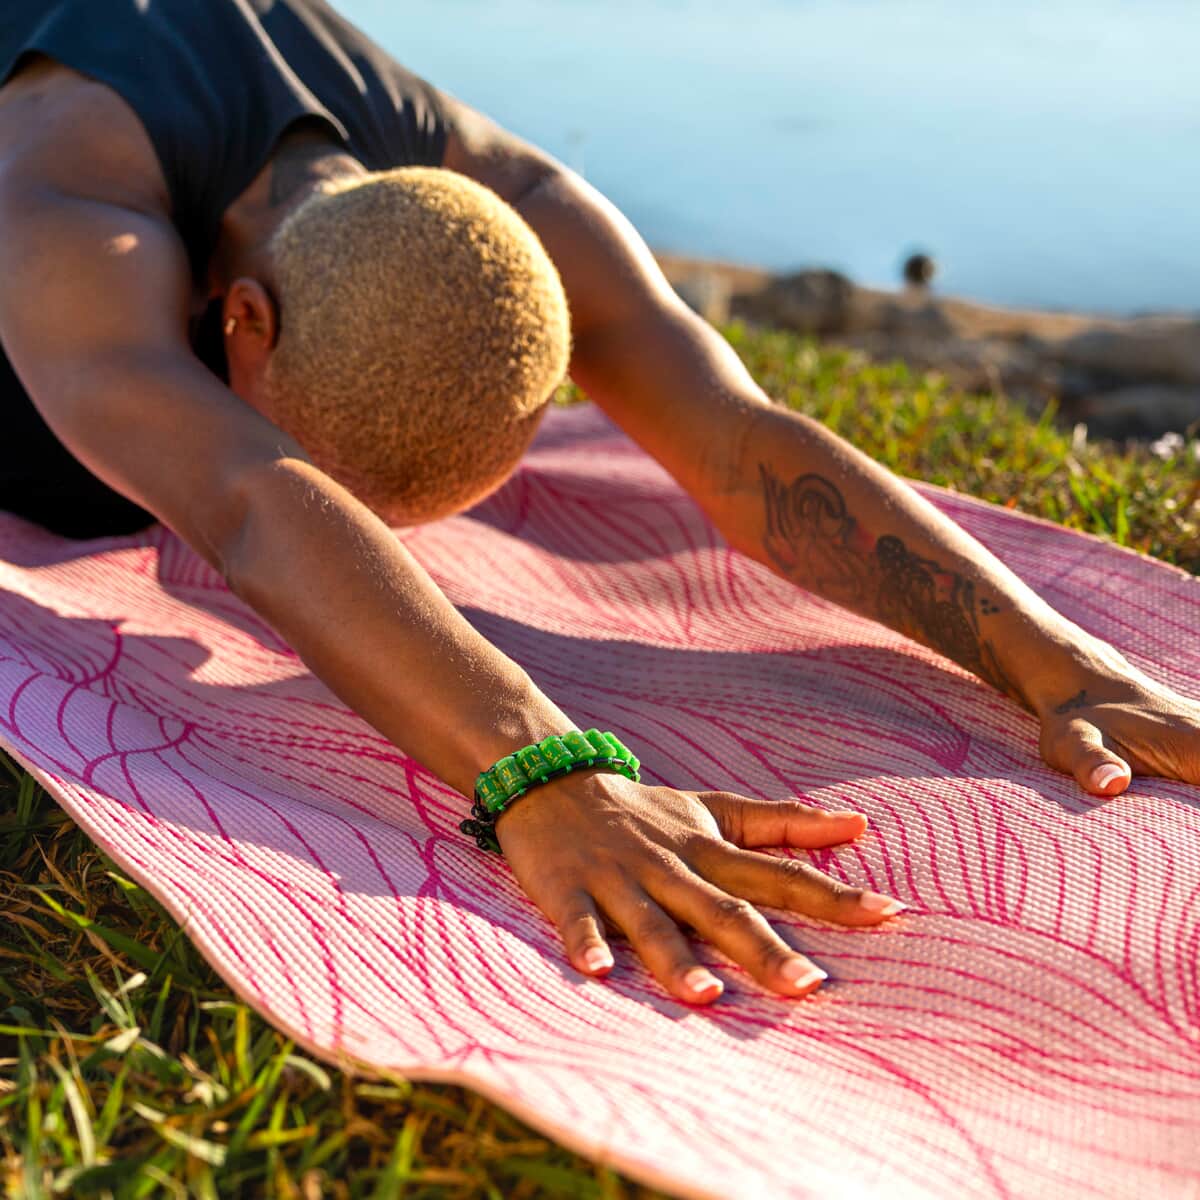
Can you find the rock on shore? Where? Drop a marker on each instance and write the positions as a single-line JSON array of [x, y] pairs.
[[1122, 376]]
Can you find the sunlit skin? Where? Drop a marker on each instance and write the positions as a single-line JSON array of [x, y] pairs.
[[94, 318]]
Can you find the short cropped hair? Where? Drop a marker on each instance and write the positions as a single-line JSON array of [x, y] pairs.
[[423, 329]]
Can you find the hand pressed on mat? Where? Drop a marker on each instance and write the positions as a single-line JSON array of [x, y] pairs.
[[1117, 720], [590, 847]]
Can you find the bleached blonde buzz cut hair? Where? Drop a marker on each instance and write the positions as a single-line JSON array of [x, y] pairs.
[[423, 330]]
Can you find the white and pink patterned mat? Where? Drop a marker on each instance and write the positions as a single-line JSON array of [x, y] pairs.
[[1031, 1028]]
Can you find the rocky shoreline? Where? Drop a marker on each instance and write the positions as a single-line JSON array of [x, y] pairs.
[[1124, 377]]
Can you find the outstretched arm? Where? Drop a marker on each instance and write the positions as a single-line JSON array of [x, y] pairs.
[[93, 315], [785, 490]]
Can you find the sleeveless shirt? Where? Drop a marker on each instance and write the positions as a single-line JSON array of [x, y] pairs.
[[215, 83]]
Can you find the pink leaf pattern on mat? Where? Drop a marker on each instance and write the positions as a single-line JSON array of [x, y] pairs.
[[1031, 1028]]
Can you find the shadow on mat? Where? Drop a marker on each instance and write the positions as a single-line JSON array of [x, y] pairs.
[[859, 718]]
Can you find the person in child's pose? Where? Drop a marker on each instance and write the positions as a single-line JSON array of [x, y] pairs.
[[223, 307]]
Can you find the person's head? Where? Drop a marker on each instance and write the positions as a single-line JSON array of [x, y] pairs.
[[421, 331]]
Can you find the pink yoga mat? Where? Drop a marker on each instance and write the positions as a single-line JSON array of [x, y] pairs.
[[1028, 1029]]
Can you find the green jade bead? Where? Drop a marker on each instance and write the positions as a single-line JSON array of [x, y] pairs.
[[632, 762], [600, 744], [509, 775], [581, 749], [533, 762], [617, 746], [491, 794], [515, 774], [613, 747], [556, 754]]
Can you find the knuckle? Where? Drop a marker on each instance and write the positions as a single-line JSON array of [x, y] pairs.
[[577, 921], [803, 875], [729, 912], [727, 813], [772, 956], [647, 923], [563, 879], [796, 870], [837, 891], [800, 874], [844, 894], [696, 843], [662, 858], [649, 928], [603, 862]]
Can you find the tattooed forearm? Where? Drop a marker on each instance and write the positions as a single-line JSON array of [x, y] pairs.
[[813, 540], [809, 530]]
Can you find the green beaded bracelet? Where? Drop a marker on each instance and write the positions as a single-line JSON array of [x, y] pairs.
[[513, 775]]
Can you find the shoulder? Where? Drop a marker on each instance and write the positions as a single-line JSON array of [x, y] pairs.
[[61, 130], [478, 147], [90, 257]]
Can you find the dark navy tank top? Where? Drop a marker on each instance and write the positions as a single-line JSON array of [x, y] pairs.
[[215, 83]]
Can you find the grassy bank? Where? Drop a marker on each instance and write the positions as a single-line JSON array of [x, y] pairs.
[[130, 1070], [1143, 496]]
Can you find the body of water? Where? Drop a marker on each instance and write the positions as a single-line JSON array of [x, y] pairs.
[[1046, 153]]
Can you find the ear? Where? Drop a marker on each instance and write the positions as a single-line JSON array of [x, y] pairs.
[[250, 321]]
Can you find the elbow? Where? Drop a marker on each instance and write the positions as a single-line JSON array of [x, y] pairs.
[[252, 504]]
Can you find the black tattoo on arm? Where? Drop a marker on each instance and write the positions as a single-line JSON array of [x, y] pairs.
[[812, 538], [808, 527], [1079, 700]]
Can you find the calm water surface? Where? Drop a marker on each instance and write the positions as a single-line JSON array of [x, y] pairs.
[[1046, 153]]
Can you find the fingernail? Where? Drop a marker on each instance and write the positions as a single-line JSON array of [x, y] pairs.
[[1103, 776], [699, 980], [597, 958], [875, 903], [843, 814], [801, 974]]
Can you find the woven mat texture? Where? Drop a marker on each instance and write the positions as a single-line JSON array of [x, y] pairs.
[[1031, 1028]]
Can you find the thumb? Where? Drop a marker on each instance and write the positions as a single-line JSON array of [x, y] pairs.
[[749, 823], [1080, 751]]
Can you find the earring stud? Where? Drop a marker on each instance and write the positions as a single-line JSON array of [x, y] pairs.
[[230, 326]]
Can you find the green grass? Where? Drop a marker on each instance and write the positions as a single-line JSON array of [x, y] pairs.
[[127, 1069], [989, 447]]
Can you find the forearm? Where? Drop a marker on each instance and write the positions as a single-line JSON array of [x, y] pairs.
[[786, 491], [779, 487], [820, 513], [372, 625]]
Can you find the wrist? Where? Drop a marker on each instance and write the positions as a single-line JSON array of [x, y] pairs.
[[539, 765], [562, 804], [519, 716], [586, 785], [1064, 661]]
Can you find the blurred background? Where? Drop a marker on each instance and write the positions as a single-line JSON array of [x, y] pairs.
[[1040, 155], [1045, 153]]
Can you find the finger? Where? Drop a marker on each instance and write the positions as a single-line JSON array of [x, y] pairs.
[[794, 884], [1080, 751], [578, 923], [737, 928], [660, 943], [751, 822], [572, 911]]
